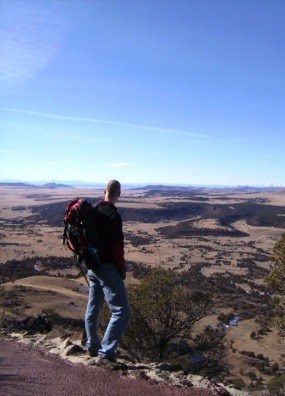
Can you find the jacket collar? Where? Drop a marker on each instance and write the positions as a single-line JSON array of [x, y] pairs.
[[103, 202]]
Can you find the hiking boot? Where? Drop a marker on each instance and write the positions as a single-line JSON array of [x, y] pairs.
[[92, 352], [104, 360]]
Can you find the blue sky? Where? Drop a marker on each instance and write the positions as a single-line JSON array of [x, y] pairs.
[[163, 91]]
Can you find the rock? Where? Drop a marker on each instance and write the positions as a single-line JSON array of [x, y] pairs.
[[66, 343], [169, 367], [139, 375], [216, 389], [73, 349]]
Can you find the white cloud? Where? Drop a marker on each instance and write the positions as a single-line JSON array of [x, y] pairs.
[[110, 123]]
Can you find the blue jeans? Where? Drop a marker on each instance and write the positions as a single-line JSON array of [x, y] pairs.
[[106, 284]]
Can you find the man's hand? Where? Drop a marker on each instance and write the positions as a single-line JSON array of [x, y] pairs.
[[91, 257]]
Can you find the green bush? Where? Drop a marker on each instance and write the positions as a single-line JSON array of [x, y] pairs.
[[211, 349], [276, 279], [163, 314]]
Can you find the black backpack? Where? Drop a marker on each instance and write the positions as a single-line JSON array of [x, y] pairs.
[[80, 234]]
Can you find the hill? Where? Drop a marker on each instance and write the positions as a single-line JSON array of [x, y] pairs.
[[16, 184], [65, 297], [56, 185]]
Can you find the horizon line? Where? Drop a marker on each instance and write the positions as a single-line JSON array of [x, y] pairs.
[[143, 184]]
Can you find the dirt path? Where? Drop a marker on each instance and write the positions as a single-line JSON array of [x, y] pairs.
[[26, 370]]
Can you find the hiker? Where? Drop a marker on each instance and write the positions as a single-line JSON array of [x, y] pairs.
[[107, 279]]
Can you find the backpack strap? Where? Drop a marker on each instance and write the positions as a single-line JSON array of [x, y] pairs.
[[78, 263]]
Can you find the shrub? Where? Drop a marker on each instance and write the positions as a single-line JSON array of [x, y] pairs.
[[70, 324], [209, 351], [248, 353], [251, 375], [163, 314], [162, 319], [276, 279], [238, 383], [35, 324], [276, 386], [8, 322]]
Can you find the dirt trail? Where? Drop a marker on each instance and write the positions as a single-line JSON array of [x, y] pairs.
[[27, 370]]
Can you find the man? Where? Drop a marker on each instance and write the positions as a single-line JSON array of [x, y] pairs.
[[107, 279]]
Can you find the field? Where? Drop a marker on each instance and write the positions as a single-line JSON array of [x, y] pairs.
[[220, 240]]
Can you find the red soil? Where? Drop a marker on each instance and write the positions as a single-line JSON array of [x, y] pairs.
[[27, 370]]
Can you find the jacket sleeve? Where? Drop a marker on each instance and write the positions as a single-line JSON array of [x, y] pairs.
[[118, 254], [118, 245]]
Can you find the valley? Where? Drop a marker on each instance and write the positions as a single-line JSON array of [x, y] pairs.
[[219, 240]]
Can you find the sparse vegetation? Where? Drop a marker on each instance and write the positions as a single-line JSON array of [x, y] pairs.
[[186, 231], [138, 270], [276, 279], [137, 240], [18, 269], [251, 210], [276, 385], [161, 325], [8, 321]]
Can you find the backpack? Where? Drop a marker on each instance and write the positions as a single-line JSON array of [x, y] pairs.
[[80, 234]]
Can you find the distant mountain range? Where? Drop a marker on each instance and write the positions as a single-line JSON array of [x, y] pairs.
[[15, 184], [46, 185], [50, 184], [156, 187], [161, 187]]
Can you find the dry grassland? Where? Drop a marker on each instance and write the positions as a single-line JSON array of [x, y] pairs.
[[68, 296]]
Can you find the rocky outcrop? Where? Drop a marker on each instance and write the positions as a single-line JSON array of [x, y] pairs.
[[70, 347]]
